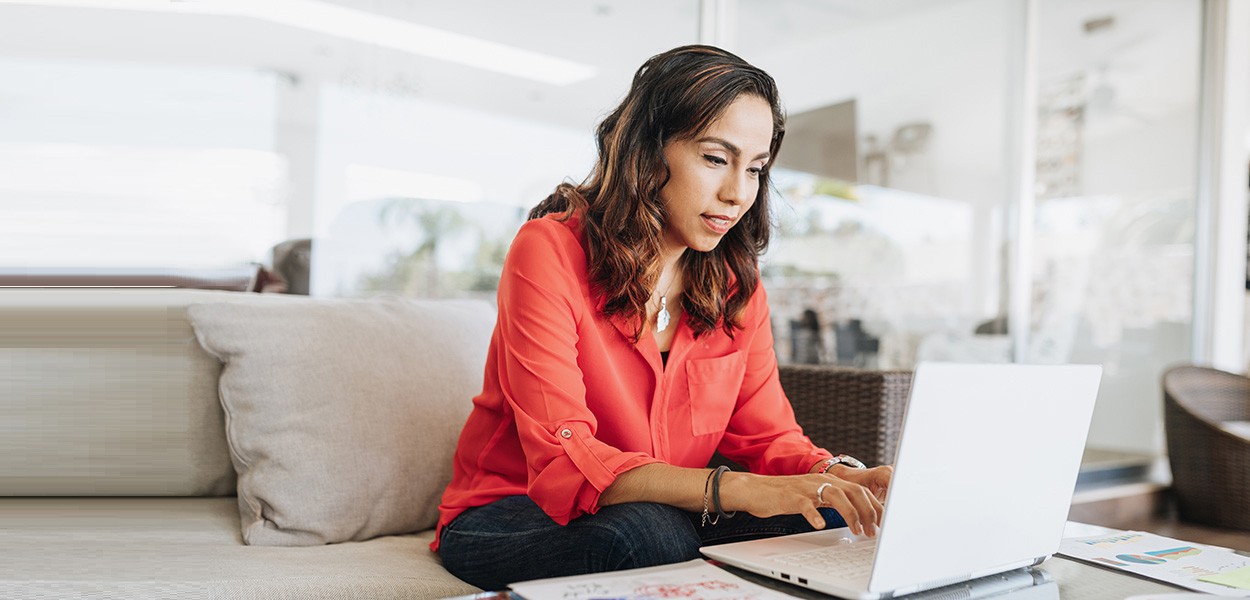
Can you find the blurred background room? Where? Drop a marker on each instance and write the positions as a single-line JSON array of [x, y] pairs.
[[1044, 181]]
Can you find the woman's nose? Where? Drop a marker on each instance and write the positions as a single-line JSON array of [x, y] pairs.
[[737, 189]]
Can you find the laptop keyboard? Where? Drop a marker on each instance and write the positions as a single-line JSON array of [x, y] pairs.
[[841, 560]]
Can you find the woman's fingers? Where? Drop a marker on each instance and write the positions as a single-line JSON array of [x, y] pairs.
[[858, 506], [838, 499], [813, 517], [871, 505], [805, 494], [876, 480], [868, 508], [881, 481]]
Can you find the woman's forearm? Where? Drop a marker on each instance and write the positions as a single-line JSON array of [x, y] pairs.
[[762, 496], [657, 482], [681, 487]]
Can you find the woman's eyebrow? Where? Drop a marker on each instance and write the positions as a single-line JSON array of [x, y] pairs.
[[736, 151]]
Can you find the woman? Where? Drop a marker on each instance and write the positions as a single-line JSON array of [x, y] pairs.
[[632, 342]]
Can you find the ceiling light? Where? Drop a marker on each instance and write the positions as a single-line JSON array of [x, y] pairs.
[[368, 28]]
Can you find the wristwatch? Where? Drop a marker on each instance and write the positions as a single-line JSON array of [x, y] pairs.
[[843, 459]]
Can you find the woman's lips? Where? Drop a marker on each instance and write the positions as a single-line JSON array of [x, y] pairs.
[[719, 224]]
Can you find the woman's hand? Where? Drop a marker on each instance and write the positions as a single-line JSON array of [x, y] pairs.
[[876, 479], [767, 496]]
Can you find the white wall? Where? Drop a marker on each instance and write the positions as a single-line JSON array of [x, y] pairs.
[[1158, 155]]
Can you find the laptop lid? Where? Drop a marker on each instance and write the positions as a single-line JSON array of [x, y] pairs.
[[986, 468]]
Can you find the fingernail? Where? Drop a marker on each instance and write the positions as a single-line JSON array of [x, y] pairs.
[[820, 523]]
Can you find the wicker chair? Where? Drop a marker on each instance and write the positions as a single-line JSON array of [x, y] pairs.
[[847, 410], [1210, 463]]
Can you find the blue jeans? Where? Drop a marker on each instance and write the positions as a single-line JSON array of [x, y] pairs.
[[513, 540]]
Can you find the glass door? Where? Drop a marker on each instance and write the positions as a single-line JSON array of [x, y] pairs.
[[1113, 249]]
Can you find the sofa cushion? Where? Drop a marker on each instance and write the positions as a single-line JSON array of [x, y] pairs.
[[343, 415], [106, 392], [191, 548]]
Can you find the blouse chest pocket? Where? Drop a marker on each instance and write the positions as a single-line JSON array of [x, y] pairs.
[[714, 384]]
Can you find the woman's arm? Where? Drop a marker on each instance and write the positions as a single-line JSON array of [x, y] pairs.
[[540, 378], [759, 495]]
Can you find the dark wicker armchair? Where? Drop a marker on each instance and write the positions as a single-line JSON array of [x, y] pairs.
[[1210, 462], [849, 411]]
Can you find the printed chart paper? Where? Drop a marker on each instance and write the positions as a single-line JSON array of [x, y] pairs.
[[1161, 558], [694, 580], [1238, 578]]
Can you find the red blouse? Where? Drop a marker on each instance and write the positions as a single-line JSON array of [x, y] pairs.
[[569, 402]]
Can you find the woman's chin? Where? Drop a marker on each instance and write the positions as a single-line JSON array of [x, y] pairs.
[[701, 241], [706, 245]]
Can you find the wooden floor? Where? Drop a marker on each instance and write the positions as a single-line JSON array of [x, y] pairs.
[[1154, 512], [1116, 489], [1170, 527]]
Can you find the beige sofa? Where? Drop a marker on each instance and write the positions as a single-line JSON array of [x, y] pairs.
[[134, 463], [118, 478]]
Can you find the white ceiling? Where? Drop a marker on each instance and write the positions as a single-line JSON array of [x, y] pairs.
[[1147, 60], [614, 36], [1152, 42]]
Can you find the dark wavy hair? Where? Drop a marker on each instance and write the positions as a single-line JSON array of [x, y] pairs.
[[674, 96]]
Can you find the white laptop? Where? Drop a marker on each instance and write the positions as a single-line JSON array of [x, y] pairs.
[[985, 470]]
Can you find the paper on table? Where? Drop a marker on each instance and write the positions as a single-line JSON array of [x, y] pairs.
[[1157, 557], [694, 580], [1238, 578], [1077, 529]]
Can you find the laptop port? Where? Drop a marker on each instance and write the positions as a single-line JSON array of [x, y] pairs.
[[802, 581], [785, 577]]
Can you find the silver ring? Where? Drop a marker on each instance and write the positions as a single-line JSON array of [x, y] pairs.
[[820, 491]]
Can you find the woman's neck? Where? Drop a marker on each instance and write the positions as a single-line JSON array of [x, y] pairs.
[[670, 273], [669, 257]]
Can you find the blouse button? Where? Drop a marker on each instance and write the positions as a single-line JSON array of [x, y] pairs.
[[566, 433]]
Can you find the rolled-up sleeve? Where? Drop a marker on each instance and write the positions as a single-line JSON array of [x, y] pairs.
[[762, 433], [541, 304]]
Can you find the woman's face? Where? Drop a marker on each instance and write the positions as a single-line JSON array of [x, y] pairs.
[[714, 176]]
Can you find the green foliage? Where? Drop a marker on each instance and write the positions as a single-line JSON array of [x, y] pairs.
[[416, 272]]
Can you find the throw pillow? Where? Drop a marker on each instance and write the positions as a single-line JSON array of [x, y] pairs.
[[342, 415]]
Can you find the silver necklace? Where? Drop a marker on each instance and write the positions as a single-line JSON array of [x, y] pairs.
[[662, 318]]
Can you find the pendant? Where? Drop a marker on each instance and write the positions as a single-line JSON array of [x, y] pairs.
[[662, 318]]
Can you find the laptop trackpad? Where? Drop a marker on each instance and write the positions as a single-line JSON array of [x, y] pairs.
[[803, 542]]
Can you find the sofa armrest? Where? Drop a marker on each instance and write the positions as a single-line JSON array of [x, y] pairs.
[[847, 410], [244, 278]]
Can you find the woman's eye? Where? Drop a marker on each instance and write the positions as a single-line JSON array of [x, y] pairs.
[[755, 171], [716, 160]]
